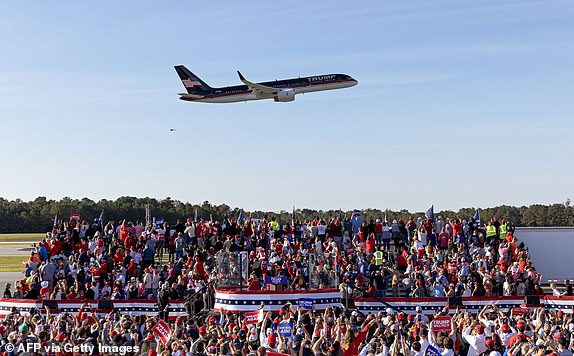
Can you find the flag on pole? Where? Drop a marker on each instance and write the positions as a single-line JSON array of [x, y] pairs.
[[386, 215], [340, 215], [240, 216], [476, 217], [293, 214], [431, 351], [56, 220], [430, 214], [147, 215], [101, 219], [195, 215]]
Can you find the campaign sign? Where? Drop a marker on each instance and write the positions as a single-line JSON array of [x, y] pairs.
[[285, 328], [163, 331], [441, 323], [276, 280], [306, 303], [74, 217], [253, 317], [159, 221], [520, 311]]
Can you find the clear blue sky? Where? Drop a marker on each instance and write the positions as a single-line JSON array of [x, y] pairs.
[[459, 103]]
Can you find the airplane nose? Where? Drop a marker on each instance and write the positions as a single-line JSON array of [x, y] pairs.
[[354, 82]]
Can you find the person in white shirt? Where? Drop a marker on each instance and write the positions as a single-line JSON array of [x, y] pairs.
[[506, 333], [485, 318], [420, 316], [477, 340]]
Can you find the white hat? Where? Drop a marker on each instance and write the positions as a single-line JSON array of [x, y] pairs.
[[378, 220], [44, 284], [418, 309], [389, 310]]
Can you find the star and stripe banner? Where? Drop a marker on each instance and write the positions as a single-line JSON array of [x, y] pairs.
[[471, 304], [250, 301], [241, 301], [188, 83]]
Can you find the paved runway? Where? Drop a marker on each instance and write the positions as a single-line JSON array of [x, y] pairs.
[[9, 277], [9, 249]]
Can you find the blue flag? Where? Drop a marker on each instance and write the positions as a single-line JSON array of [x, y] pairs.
[[340, 215], [293, 214], [356, 213], [430, 214], [431, 351], [56, 220], [240, 216], [101, 219], [476, 217]]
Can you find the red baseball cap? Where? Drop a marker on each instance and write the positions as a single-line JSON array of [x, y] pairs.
[[521, 325], [505, 328]]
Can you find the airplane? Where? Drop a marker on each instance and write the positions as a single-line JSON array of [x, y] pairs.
[[278, 90]]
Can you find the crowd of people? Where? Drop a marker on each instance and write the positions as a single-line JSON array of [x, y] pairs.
[[420, 257], [295, 332]]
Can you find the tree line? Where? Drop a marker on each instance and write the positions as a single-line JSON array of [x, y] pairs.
[[17, 216]]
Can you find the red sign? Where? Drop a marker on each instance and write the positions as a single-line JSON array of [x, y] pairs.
[[520, 311], [163, 331], [253, 317], [74, 217], [441, 323]]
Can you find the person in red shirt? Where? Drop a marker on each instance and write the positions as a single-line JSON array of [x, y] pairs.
[[370, 244], [119, 257], [520, 336], [351, 342], [45, 290]]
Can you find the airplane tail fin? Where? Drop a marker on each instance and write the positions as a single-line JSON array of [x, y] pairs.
[[191, 82]]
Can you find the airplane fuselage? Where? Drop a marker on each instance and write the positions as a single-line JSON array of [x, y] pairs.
[[301, 85]]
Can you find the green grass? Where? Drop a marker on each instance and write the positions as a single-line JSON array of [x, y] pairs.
[[12, 263], [34, 237]]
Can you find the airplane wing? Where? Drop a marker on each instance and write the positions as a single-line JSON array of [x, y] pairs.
[[258, 89]]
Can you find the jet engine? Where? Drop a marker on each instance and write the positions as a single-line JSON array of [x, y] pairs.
[[285, 95]]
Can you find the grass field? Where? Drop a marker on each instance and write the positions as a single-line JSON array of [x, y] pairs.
[[12, 263], [35, 237]]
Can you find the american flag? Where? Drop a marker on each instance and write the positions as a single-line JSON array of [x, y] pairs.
[[190, 84]]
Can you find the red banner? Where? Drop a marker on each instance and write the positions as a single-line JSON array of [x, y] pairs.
[[520, 311], [253, 317], [74, 217], [163, 331], [441, 323]]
